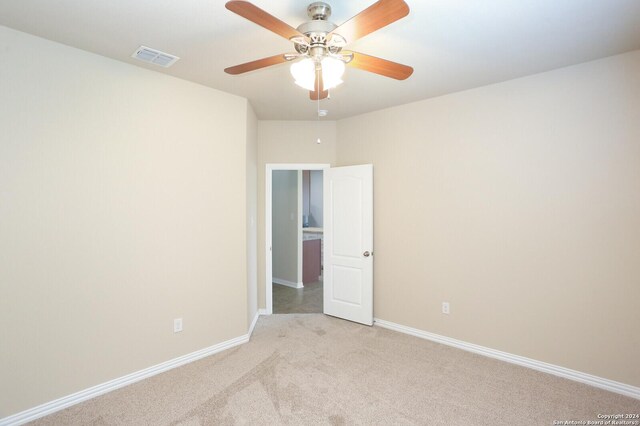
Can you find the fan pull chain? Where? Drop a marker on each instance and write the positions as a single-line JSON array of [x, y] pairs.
[[318, 141]]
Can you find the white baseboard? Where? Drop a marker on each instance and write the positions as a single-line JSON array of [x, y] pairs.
[[255, 320], [287, 283], [599, 382], [253, 323], [92, 392]]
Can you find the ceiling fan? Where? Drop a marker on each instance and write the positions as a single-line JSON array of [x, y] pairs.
[[319, 44]]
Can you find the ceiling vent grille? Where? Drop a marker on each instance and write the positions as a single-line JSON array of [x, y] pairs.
[[154, 56]]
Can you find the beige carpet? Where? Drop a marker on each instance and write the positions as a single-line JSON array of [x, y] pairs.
[[314, 369]]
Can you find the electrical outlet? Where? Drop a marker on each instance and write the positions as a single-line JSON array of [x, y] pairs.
[[445, 308], [177, 325]]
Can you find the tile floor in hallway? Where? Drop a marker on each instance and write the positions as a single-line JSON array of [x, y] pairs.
[[307, 300]]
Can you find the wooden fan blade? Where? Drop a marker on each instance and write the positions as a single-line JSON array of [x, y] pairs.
[[376, 16], [379, 66], [255, 65], [319, 92], [262, 18]]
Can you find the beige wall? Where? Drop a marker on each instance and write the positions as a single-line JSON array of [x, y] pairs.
[[284, 237], [518, 203], [312, 205], [127, 199], [122, 207], [252, 206], [288, 142], [316, 217]]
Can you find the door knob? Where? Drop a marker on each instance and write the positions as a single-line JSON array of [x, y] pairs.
[[366, 254]]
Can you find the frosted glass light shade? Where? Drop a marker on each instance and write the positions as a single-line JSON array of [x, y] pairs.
[[304, 73], [332, 70]]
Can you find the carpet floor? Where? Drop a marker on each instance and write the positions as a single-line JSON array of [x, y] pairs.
[[314, 369], [306, 300]]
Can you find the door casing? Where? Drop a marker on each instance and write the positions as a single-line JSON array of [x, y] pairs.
[[269, 168]]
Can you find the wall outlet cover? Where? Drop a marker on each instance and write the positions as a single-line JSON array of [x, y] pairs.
[[177, 325]]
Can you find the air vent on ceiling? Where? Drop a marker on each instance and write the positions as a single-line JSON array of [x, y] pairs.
[[154, 56]]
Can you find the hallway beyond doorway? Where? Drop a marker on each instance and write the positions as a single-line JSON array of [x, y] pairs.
[[306, 300]]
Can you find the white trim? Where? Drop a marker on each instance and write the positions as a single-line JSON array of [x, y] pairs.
[[269, 168], [268, 265], [300, 224], [556, 370], [92, 392], [255, 320], [288, 283], [253, 323]]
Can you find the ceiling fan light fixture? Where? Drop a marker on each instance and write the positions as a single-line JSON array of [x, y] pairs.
[[304, 73], [332, 71], [319, 43]]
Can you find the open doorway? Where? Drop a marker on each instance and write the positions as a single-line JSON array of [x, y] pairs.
[[297, 193], [294, 220]]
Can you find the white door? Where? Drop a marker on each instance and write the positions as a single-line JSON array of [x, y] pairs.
[[348, 243]]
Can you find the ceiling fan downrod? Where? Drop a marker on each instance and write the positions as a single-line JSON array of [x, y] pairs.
[[319, 11]]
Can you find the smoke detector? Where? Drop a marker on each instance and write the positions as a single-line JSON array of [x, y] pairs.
[[153, 56]]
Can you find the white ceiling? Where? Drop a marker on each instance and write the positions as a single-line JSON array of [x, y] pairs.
[[453, 45]]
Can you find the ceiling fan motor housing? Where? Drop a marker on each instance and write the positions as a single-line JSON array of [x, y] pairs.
[[316, 30], [317, 26]]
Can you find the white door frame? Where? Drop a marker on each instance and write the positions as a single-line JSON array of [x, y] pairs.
[[268, 221]]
